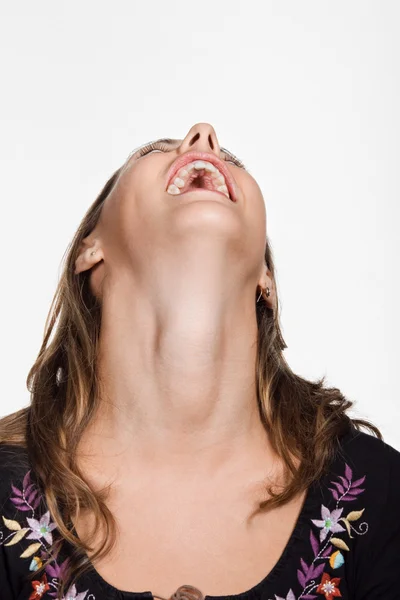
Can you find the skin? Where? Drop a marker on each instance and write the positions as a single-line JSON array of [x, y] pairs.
[[177, 278]]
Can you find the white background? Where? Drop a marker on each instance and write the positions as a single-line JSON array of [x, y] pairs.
[[305, 93]]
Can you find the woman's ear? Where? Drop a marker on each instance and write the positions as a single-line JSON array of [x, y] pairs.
[[90, 253], [266, 281]]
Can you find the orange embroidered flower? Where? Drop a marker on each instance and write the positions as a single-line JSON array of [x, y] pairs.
[[39, 588], [329, 586]]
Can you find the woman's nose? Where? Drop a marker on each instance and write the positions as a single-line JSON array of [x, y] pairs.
[[201, 137]]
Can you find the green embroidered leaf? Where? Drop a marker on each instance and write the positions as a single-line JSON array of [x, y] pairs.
[[30, 550], [355, 514], [339, 543], [17, 537], [13, 525]]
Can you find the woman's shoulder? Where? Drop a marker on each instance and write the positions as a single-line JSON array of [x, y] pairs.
[[348, 532], [360, 502], [27, 532], [14, 467], [359, 493], [365, 468], [21, 497], [356, 440], [376, 459], [22, 523]]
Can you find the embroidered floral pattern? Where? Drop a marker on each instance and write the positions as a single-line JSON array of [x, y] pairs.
[[332, 523], [39, 529], [325, 554]]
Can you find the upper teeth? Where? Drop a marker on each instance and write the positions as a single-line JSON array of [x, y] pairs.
[[183, 175]]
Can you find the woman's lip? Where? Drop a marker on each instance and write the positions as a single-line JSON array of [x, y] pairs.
[[189, 157]]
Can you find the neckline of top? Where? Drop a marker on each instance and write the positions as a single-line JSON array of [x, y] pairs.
[[249, 594], [310, 503]]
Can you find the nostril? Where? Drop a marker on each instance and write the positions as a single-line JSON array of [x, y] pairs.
[[194, 139]]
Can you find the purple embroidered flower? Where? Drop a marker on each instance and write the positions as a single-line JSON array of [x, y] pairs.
[[329, 522], [72, 594], [42, 528]]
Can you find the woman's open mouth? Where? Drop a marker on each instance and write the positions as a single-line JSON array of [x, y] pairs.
[[199, 175]]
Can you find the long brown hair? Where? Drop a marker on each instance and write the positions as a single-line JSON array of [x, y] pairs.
[[302, 418]]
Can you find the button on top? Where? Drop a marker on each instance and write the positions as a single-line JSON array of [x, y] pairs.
[[187, 592]]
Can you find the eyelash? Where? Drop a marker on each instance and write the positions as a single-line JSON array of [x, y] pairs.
[[152, 146], [164, 148]]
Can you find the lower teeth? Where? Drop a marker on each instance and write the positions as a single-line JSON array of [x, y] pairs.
[[175, 191]]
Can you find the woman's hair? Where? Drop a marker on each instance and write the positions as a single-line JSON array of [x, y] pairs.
[[302, 418]]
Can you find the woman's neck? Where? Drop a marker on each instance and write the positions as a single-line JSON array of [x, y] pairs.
[[177, 372]]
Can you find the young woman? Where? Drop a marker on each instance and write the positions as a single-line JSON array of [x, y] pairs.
[[168, 448]]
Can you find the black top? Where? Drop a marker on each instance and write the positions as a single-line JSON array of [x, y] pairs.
[[346, 541]]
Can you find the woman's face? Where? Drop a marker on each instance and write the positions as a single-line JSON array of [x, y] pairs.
[[165, 201]]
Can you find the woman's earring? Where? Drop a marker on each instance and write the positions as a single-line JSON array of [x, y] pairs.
[[267, 293], [92, 253]]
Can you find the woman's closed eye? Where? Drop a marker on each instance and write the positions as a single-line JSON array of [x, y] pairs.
[[161, 146], [232, 158], [153, 146]]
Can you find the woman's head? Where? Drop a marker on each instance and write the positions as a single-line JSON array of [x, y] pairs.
[[149, 226]]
